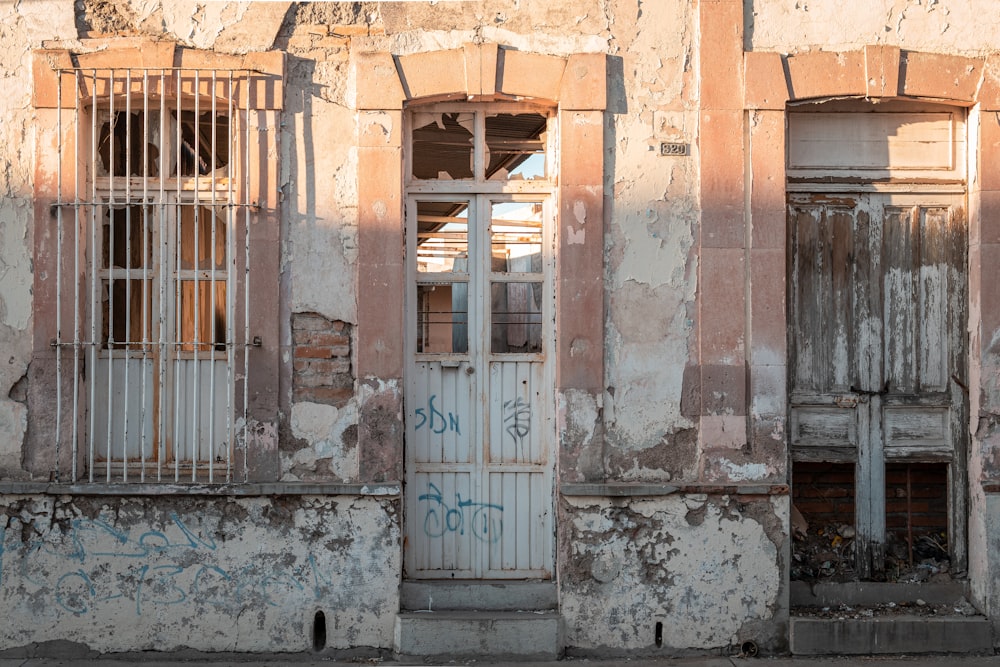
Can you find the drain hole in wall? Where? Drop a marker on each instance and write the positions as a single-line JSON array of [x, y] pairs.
[[319, 631], [659, 634]]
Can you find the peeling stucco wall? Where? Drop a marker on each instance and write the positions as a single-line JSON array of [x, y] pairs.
[[694, 563], [650, 244], [25, 26], [210, 574], [925, 25]]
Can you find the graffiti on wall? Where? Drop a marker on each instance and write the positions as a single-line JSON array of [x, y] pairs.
[[95, 564]]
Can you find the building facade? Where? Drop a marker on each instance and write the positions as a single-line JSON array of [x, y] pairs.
[[636, 315]]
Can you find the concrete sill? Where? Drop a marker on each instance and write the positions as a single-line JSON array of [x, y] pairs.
[[387, 489], [620, 490]]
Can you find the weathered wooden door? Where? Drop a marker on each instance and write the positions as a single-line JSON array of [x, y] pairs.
[[877, 338], [479, 423]]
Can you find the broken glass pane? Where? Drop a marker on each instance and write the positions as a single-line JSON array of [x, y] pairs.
[[129, 144], [443, 317], [515, 146], [442, 236], [516, 237], [135, 144], [196, 144], [442, 145]]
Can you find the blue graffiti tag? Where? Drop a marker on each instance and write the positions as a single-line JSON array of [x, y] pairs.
[[172, 566], [485, 523], [434, 419], [517, 417]]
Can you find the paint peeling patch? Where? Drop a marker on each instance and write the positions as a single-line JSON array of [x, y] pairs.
[[574, 237], [378, 126], [578, 420], [745, 472], [674, 561], [330, 434]]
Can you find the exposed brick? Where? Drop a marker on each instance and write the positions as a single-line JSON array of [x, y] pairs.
[[311, 367], [321, 369], [307, 351], [319, 338]]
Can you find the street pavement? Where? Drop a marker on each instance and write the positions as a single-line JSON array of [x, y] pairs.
[[158, 660]]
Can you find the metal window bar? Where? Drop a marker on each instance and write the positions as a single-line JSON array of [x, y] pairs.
[[145, 321]]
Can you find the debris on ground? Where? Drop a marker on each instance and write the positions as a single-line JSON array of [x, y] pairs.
[[960, 607], [826, 553]]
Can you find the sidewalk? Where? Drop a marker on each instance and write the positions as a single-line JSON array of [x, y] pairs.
[[156, 660]]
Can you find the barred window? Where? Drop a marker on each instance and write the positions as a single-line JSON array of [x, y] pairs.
[[153, 263]]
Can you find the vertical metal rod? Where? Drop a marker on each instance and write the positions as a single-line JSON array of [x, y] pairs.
[[246, 287], [196, 232], [161, 276], [212, 336], [94, 258], [59, 261], [176, 261], [909, 512], [144, 262], [233, 147], [76, 270], [111, 268], [127, 268]]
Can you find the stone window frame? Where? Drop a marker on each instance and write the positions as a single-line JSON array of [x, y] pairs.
[[263, 104], [575, 86]]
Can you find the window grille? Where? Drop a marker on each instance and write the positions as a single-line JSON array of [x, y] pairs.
[[153, 258]]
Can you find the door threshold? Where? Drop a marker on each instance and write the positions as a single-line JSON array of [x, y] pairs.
[[872, 593], [478, 595]]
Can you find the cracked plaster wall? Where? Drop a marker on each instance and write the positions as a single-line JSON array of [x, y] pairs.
[[924, 25], [650, 244], [23, 26], [130, 574], [694, 563]]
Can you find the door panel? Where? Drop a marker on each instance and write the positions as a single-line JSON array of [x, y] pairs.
[[877, 339]]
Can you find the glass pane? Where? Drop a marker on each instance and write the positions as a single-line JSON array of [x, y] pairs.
[[123, 313], [196, 233], [125, 237], [516, 323], [129, 144], [442, 236], [201, 322], [196, 149], [443, 318], [515, 146], [442, 145], [516, 237]]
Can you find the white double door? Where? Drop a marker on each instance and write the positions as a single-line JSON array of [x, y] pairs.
[[479, 419]]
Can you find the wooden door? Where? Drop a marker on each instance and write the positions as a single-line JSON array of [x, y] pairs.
[[878, 345], [479, 423]]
